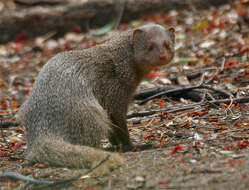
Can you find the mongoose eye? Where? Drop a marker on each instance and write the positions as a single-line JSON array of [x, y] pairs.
[[150, 47]]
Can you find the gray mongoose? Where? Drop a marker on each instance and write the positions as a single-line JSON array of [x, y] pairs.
[[82, 96]]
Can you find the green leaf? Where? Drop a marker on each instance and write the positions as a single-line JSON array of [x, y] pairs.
[[103, 30]]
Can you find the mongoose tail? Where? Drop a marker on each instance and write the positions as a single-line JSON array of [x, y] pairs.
[[57, 152]]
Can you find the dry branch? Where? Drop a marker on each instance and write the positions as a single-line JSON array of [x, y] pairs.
[[6, 124], [184, 90], [18, 176], [41, 17], [194, 95], [187, 107]]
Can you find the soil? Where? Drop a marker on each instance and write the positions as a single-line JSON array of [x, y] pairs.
[[205, 147]]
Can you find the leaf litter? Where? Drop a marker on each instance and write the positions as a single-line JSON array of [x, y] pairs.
[[204, 147]]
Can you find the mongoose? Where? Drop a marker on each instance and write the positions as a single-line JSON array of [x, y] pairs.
[[82, 96]]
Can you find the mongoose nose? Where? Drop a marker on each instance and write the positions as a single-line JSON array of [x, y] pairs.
[[163, 57]]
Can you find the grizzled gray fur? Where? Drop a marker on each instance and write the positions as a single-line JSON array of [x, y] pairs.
[[82, 96]]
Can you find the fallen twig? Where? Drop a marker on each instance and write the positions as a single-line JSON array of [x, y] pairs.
[[227, 101], [66, 182], [7, 124], [189, 106], [169, 110], [99, 164], [188, 88], [18, 176], [231, 55], [142, 114], [195, 74], [194, 95]]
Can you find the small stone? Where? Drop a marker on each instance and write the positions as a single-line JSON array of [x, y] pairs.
[[164, 81], [51, 44], [192, 161], [238, 156], [207, 44], [183, 80], [139, 179]]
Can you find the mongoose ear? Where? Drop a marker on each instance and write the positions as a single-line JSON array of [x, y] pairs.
[[172, 30], [134, 36], [172, 33]]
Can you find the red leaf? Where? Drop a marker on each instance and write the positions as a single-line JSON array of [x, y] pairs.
[[186, 124], [67, 47], [77, 29], [199, 113], [213, 120], [197, 144], [182, 161], [163, 183], [161, 103], [89, 43], [42, 165], [14, 104], [242, 144], [21, 38], [4, 113], [153, 75], [244, 49], [221, 24], [221, 128], [176, 149], [223, 105], [136, 149], [164, 115], [4, 106], [27, 91], [235, 103], [2, 84], [238, 125], [228, 147], [15, 146], [167, 19], [234, 162], [150, 136], [231, 63], [17, 46], [7, 180], [5, 154]]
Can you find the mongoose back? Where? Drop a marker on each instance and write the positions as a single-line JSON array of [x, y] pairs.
[[82, 96]]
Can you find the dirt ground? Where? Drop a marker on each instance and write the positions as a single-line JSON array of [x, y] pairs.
[[204, 146]]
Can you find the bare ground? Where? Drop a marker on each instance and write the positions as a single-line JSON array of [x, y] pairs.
[[205, 147]]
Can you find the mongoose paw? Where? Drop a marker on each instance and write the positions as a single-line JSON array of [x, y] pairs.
[[106, 165]]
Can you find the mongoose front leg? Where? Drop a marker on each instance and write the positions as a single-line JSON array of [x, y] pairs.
[[119, 134], [120, 140]]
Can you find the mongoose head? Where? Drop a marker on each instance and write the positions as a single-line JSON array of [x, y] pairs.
[[153, 46]]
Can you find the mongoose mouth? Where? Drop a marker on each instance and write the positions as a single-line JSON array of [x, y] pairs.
[[163, 58]]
